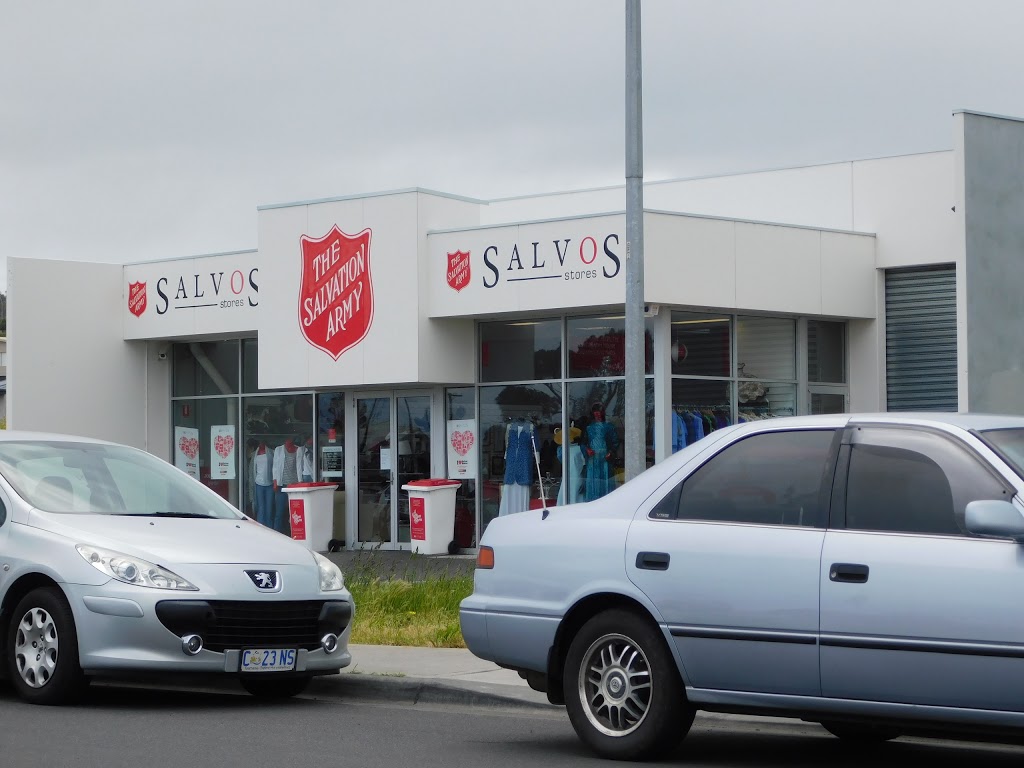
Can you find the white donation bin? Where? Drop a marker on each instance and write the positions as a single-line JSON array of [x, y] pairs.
[[432, 515], [311, 513]]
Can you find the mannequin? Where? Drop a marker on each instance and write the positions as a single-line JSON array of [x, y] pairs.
[[286, 472], [576, 461], [601, 443], [306, 462], [261, 471], [520, 445]]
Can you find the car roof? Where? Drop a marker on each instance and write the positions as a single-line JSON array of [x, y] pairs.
[[966, 421], [14, 435]]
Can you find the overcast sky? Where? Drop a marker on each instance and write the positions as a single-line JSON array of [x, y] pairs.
[[133, 130]]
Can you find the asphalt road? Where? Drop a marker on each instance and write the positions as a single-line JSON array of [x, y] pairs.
[[153, 728]]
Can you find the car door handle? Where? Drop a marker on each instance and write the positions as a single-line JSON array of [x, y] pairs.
[[652, 561], [851, 573]]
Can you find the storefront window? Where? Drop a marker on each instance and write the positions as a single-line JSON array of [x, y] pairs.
[[206, 443], [766, 348], [205, 368], [521, 351], [597, 346], [331, 453], [826, 351], [700, 344], [598, 408], [699, 407], [764, 400], [512, 417], [461, 432], [281, 427]]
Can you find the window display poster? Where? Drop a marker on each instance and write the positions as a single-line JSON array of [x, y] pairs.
[[461, 456], [222, 458], [332, 461], [186, 450]]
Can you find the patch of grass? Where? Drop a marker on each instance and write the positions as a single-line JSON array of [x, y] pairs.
[[398, 611]]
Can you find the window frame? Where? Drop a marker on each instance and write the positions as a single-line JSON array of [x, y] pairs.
[[671, 499], [837, 516]]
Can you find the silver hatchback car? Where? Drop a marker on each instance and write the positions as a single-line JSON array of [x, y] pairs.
[[863, 572], [115, 563]]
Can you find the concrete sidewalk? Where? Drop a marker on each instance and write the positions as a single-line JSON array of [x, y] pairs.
[[429, 675]]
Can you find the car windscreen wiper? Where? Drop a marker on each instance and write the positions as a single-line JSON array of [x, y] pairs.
[[166, 514]]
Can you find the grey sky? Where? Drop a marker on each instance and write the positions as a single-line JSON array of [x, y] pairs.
[[134, 129]]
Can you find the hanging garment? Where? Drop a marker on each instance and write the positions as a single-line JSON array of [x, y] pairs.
[[678, 432], [602, 440], [519, 447], [577, 461]]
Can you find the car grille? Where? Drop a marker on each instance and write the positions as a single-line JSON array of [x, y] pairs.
[[238, 624]]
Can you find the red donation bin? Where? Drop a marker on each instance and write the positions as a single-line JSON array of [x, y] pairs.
[[432, 515], [311, 513]]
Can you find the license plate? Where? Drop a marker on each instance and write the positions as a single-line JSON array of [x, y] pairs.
[[268, 660]]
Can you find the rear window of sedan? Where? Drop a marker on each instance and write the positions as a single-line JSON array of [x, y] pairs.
[[94, 478]]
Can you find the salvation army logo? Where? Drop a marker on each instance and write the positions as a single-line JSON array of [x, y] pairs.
[[336, 295], [223, 445], [137, 298], [462, 442], [189, 446], [458, 270]]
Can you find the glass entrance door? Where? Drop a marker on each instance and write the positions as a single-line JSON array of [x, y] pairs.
[[393, 444]]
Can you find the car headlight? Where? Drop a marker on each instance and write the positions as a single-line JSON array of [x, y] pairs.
[[132, 570], [331, 578]]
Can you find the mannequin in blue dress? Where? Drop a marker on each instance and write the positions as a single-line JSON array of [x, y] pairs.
[[601, 443]]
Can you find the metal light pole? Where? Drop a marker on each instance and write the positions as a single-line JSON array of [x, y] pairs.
[[636, 442]]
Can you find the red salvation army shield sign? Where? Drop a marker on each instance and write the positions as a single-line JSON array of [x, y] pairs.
[[336, 295], [137, 298], [458, 270]]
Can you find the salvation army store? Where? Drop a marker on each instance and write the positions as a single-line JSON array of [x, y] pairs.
[[371, 341], [376, 341]]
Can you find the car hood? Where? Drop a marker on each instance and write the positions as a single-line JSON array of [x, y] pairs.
[[178, 540]]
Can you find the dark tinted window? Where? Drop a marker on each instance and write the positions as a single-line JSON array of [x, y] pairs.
[[914, 482], [771, 479], [3, 512]]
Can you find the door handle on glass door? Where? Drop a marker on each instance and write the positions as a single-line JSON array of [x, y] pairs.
[[851, 573]]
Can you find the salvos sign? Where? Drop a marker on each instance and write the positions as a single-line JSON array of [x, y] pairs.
[[336, 293]]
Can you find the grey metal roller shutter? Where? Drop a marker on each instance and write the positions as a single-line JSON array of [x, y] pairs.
[[920, 339]]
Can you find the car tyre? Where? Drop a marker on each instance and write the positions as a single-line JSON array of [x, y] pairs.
[[270, 688], [623, 691], [42, 649], [861, 733]]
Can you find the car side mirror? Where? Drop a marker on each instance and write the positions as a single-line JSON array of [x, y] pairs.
[[994, 517]]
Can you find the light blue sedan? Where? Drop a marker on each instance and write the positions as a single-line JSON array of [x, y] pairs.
[[864, 572]]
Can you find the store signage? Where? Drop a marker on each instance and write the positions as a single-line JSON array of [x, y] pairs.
[[297, 519], [592, 257], [417, 519], [461, 454], [137, 298], [222, 460], [336, 294], [218, 289], [458, 270], [186, 450]]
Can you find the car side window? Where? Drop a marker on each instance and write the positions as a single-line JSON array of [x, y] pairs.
[[912, 481], [3, 513], [772, 478]]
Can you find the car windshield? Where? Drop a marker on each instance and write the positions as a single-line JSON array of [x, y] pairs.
[[94, 478], [1009, 444]]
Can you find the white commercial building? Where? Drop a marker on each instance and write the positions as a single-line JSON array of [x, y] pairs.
[[406, 335]]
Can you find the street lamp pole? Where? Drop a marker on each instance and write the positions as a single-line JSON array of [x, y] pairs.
[[635, 421]]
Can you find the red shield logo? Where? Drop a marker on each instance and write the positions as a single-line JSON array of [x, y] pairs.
[[458, 270], [336, 295], [137, 298]]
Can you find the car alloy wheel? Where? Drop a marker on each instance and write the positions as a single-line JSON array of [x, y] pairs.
[[615, 682], [36, 645], [623, 693]]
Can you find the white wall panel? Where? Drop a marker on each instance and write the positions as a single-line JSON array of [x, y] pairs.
[[69, 368], [689, 261], [778, 269], [848, 275]]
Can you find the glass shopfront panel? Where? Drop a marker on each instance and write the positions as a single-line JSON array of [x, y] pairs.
[[204, 368], [597, 346], [826, 352], [699, 406], [206, 443], [766, 348], [521, 351], [460, 411], [701, 344], [512, 418]]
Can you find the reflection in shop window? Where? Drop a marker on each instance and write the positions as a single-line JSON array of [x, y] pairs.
[[460, 412], [196, 425], [521, 351], [205, 368], [597, 346]]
